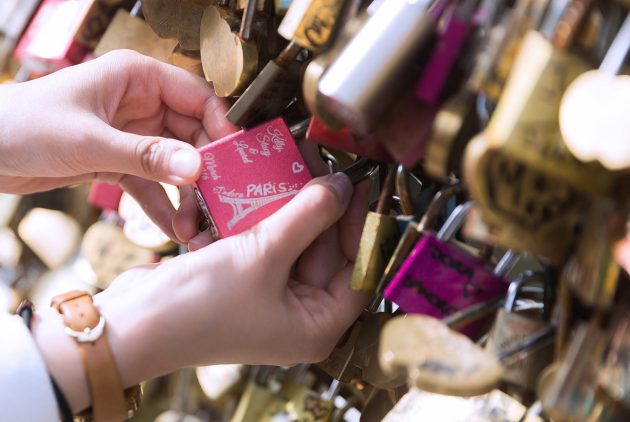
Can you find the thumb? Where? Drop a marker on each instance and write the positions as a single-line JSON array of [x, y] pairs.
[[289, 231], [150, 157]]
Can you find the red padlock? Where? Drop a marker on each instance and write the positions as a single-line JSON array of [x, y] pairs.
[[249, 175]]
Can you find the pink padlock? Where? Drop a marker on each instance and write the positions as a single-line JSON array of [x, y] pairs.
[[439, 278], [49, 43], [249, 175], [105, 196], [457, 24]]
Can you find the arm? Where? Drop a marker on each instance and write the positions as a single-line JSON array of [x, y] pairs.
[[236, 300]]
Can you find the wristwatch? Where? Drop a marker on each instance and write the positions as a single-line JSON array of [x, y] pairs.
[[85, 324]]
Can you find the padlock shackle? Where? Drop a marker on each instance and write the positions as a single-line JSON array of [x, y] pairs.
[[438, 203], [403, 191], [454, 222], [460, 319], [505, 264], [248, 20], [361, 169], [544, 336], [527, 277], [385, 197]]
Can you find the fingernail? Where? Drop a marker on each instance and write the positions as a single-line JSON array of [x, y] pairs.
[[342, 186], [185, 163]]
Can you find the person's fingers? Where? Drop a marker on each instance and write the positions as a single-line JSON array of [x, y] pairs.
[[214, 121], [287, 233], [25, 185], [348, 302], [153, 200], [147, 78], [203, 239], [352, 222], [337, 245], [186, 219], [150, 157], [321, 260], [185, 128]]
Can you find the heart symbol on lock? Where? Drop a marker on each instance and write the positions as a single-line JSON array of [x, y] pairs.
[[297, 167]]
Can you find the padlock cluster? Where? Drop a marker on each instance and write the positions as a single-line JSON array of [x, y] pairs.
[[489, 250]]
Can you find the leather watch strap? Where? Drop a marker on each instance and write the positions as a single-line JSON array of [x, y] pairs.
[[84, 323]]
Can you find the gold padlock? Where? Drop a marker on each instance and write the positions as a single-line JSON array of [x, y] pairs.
[[378, 240], [526, 184]]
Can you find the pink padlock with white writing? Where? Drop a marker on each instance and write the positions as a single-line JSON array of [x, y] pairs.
[[439, 278], [249, 175]]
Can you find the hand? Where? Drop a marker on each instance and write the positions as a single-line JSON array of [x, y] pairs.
[[242, 299], [113, 118]]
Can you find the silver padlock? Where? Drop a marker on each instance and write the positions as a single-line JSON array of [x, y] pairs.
[[511, 327]]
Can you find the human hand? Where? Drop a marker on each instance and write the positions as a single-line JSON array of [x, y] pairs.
[[241, 299], [113, 118]]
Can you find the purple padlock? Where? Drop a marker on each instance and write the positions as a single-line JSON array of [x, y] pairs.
[[452, 35], [439, 278]]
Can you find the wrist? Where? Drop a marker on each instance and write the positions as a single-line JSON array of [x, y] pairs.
[[61, 357]]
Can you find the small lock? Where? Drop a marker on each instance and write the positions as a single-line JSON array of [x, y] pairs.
[[511, 328], [270, 92], [386, 44], [249, 175], [439, 278], [130, 32], [180, 20], [413, 232], [230, 60], [378, 240]]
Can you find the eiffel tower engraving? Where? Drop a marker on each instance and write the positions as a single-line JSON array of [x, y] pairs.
[[244, 206]]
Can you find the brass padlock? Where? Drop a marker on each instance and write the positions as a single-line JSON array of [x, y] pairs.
[[131, 32], [511, 327], [175, 19], [309, 23], [526, 184], [378, 240], [230, 60]]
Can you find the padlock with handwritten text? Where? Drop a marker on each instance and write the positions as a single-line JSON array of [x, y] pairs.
[[414, 231], [249, 175], [525, 182], [510, 327], [439, 277]]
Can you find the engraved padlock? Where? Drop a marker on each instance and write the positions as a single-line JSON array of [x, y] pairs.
[[512, 327], [439, 278], [527, 185]]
